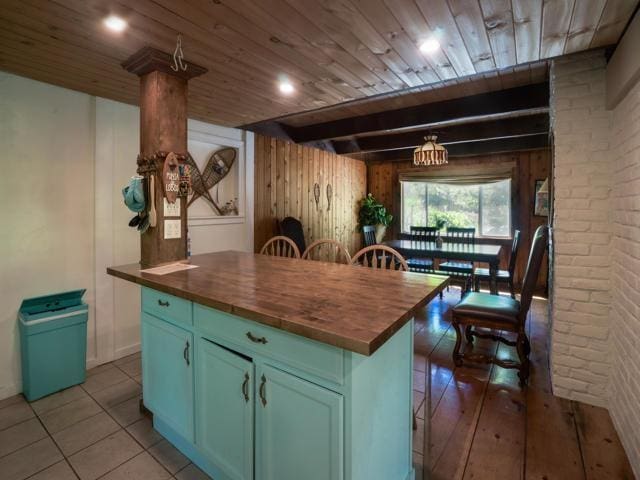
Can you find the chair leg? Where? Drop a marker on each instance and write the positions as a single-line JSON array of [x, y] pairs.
[[527, 346], [512, 289], [457, 358], [415, 421], [468, 333], [521, 346], [476, 284]]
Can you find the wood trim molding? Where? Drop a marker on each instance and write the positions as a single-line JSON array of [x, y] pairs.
[[509, 100], [482, 130], [149, 59]]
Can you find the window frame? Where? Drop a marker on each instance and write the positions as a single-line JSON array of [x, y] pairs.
[[479, 226]]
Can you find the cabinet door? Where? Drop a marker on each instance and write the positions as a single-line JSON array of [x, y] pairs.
[[167, 372], [299, 428], [224, 405]]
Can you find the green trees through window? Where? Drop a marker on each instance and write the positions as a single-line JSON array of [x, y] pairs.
[[487, 207]]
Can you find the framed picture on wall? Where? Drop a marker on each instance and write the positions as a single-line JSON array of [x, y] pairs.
[[541, 200], [218, 172]]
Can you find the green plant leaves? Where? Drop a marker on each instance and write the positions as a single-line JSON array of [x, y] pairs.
[[373, 212]]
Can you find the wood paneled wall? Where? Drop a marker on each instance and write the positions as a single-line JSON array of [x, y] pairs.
[[527, 167], [285, 174]]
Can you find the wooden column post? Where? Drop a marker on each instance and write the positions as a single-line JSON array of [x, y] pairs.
[[163, 129]]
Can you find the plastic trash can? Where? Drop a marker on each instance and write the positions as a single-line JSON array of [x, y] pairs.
[[53, 341]]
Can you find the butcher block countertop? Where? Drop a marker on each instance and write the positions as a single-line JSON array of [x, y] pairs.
[[350, 307]]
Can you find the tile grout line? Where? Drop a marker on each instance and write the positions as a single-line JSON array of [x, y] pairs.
[[50, 437], [103, 410], [124, 428]]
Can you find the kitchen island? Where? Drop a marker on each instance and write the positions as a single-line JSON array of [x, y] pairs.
[[275, 368]]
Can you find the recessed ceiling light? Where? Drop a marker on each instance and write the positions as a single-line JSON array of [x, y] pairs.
[[286, 87], [115, 23], [430, 45]]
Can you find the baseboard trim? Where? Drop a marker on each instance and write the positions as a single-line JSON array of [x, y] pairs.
[[128, 350], [7, 391]]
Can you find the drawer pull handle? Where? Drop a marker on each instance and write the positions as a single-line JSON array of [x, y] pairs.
[[163, 304], [263, 396], [255, 339], [185, 354], [245, 387]]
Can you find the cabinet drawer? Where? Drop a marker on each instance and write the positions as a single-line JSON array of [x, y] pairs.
[[315, 358], [167, 307]]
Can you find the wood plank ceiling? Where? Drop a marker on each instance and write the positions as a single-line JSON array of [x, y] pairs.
[[332, 51]]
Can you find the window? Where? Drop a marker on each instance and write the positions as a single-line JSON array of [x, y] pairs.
[[486, 206]]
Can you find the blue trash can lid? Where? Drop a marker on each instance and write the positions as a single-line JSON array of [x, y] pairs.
[[50, 303]]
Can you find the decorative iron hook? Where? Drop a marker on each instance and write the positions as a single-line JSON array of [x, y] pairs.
[[178, 56]]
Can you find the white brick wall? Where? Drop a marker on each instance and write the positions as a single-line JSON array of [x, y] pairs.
[[580, 346], [595, 344], [625, 277]]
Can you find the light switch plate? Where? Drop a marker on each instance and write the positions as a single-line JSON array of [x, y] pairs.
[[172, 229], [171, 209]]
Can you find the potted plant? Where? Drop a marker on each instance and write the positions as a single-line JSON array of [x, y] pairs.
[[374, 213]]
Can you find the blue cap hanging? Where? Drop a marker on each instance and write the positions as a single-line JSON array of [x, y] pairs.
[[134, 194]]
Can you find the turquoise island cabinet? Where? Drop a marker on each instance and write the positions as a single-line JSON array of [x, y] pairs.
[[254, 375]]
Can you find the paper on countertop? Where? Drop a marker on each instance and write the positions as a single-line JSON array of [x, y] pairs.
[[170, 268]]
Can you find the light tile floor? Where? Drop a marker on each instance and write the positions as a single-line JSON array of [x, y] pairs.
[[94, 430]]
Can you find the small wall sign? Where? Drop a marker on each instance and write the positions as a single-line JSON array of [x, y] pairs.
[[171, 177]]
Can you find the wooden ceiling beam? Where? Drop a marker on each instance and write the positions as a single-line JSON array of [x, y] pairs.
[[509, 100], [467, 149], [482, 130]]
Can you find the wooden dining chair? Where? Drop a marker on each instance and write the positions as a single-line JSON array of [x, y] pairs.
[[280, 246], [461, 272], [369, 234], [418, 235], [502, 276], [380, 256], [327, 250], [502, 313]]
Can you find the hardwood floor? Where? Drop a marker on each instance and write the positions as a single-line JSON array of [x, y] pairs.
[[485, 427]]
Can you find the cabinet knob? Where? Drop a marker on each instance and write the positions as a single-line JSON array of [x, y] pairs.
[[245, 387], [255, 339], [263, 395], [163, 304]]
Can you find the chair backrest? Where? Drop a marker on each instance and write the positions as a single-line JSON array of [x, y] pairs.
[[280, 247], [369, 233], [380, 256], [424, 234], [538, 247], [327, 250], [292, 228], [461, 235], [514, 252]]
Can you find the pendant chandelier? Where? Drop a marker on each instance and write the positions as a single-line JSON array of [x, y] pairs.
[[431, 153]]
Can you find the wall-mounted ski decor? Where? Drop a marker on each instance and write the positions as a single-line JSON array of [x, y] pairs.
[[316, 194]]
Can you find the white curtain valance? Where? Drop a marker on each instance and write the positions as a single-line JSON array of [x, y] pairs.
[[451, 178]]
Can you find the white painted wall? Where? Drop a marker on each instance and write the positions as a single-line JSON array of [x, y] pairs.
[[66, 156]]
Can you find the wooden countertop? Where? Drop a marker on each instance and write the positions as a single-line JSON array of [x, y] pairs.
[[350, 307]]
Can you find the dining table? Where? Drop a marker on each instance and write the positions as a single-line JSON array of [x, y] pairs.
[[470, 252]]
